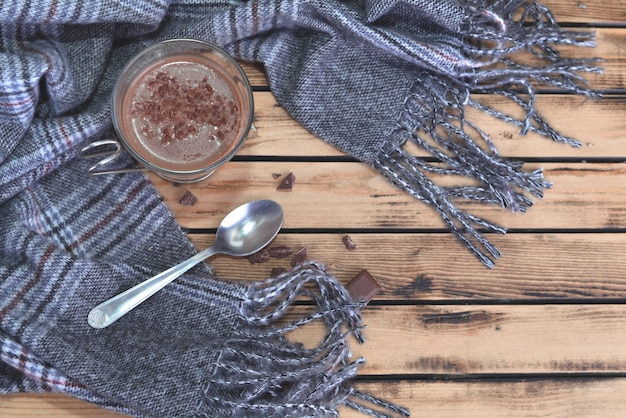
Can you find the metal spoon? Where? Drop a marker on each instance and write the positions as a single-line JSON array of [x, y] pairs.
[[242, 232]]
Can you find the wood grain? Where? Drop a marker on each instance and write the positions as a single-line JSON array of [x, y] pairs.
[[591, 11], [566, 398], [488, 340], [50, 406], [433, 267], [580, 118], [352, 195]]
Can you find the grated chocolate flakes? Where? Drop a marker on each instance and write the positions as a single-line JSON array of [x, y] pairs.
[[280, 251], [259, 257]]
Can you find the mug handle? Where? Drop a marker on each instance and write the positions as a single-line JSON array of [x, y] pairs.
[[109, 156]]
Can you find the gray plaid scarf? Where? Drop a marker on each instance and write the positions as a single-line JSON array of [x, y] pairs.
[[365, 76]]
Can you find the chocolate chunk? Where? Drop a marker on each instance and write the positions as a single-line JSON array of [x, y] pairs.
[[363, 287], [259, 257], [188, 199], [280, 251], [347, 240], [287, 183], [299, 257], [276, 175], [277, 271]]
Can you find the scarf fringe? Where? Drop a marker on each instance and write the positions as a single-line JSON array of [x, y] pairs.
[[289, 380], [434, 116]]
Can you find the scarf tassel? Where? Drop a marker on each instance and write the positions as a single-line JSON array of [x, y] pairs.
[[288, 379], [434, 118]]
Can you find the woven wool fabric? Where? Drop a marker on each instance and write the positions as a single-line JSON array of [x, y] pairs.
[[200, 347], [365, 76]]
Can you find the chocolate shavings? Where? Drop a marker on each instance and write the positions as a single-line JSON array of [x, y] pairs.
[[188, 199], [299, 257], [350, 245]]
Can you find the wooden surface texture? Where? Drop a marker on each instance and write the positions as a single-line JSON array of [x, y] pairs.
[[542, 334]]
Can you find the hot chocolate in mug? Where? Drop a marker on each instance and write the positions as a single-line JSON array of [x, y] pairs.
[[181, 108]]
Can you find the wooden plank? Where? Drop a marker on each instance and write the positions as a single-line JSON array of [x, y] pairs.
[[597, 123], [574, 116], [50, 406], [565, 398], [433, 267], [609, 47], [488, 339], [353, 196], [255, 73], [588, 11]]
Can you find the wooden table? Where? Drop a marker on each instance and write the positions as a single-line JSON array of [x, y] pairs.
[[542, 334]]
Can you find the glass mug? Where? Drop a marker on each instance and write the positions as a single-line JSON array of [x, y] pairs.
[[181, 108]]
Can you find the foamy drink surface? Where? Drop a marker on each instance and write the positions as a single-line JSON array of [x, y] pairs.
[[181, 113]]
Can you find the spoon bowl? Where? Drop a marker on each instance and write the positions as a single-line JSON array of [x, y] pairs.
[[249, 228], [244, 231]]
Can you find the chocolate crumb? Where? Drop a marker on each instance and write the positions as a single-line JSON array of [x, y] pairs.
[[280, 251], [287, 183], [188, 199], [276, 175], [363, 287], [350, 245], [299, 257], [259, 257], [277, 271]]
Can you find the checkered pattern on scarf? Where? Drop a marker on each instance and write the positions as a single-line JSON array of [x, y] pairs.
[[365, 76]]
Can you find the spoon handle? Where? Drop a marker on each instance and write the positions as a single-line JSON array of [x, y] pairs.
[[113, 309]]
